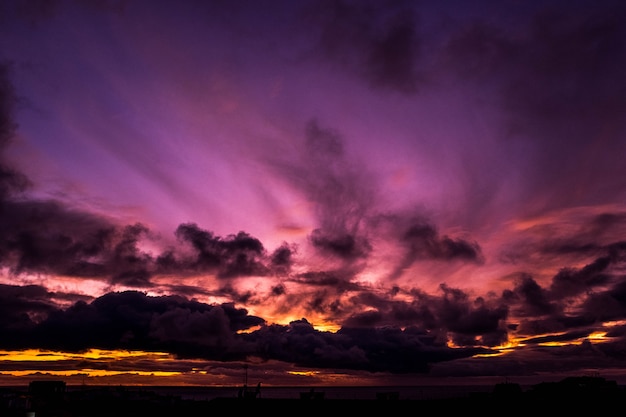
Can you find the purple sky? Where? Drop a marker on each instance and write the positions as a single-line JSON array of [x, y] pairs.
[[326, 191]]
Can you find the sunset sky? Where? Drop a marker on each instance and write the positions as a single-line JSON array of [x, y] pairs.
[[316, 192]]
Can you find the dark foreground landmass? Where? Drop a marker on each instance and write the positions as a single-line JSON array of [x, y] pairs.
[[49, 399]]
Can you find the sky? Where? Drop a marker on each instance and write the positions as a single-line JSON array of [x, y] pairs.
[[312, 192]]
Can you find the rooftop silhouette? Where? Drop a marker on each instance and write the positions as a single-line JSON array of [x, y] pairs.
[[51, 399]]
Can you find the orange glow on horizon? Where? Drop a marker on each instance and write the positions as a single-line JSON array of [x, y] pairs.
[[90, 373], [598, 337], [30, 358], [303, 373], [46, 355]]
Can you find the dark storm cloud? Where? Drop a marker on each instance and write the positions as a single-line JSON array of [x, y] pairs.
[[133, 265], [248, 297], [393, 335], [49, 237], [479, 50], [423, 241], [467, 318], [347, 212], [19, 305], [402, 330], [454, 314], [591, 236], [341, 189], [345, 246], [569, 238], [570, 65], [134, 321], [560, 81], [564, 70], [232, 256], [45, 236], [534, 361], [419, 240], [575, 302], [383, 349], [281, 260], [346, 201], [608, 305], [131, 320], [378, 43], [41, 236], [11, 180], [336, 280], [557, 321], [534, 300], [570, 282]]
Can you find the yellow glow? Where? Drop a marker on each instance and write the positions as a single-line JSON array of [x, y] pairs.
[[250, 330], [327, 327], [553, 344], [91, 373], [35, 355], [303, 373], [595, 337], [614, 323], [489, 355], [47, 355], [511, 344], [321, 325]]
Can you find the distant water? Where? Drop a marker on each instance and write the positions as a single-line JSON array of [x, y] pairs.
[[205, 393]]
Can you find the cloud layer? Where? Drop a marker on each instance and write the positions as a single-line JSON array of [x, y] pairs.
[[350, 187]]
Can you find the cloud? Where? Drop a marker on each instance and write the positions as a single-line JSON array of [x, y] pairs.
[[235, 255], [188, 329], [558, 84], [11, 180], [132, 320], [378, 44], [391, 334]]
